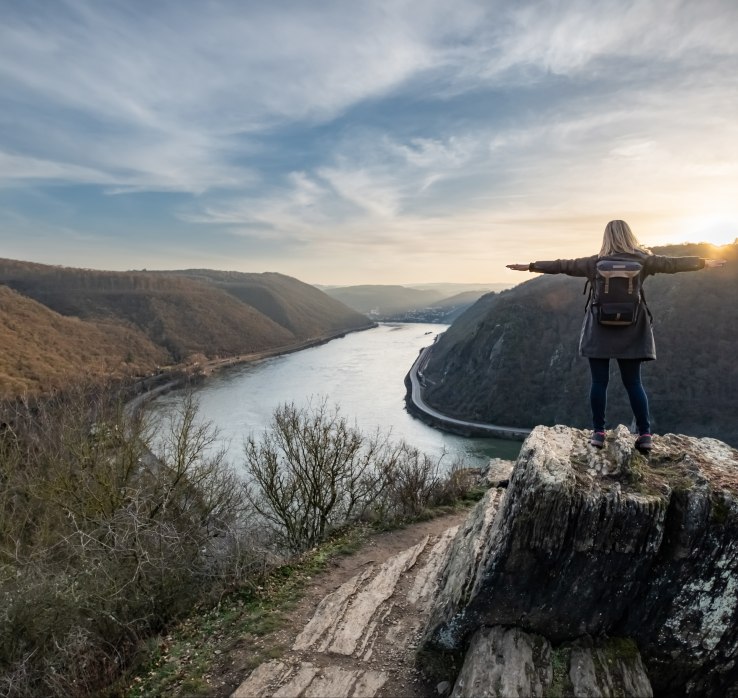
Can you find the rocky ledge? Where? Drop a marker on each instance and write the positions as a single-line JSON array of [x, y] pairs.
[[593, 560]]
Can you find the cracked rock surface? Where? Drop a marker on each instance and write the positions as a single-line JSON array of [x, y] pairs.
[[607, 543], [362, 633]]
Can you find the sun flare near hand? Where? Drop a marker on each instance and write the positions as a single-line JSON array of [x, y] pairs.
[[715, 229]]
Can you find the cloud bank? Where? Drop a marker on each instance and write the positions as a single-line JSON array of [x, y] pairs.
[[348, 143]]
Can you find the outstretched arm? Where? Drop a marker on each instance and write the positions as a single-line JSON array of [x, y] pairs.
[[657, 264], [582, 266]]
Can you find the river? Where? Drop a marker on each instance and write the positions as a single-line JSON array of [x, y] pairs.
[[362, 373]]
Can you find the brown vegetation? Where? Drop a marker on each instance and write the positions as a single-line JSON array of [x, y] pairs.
[[103, 543], [126, 323], [42, 351], [108, 534]]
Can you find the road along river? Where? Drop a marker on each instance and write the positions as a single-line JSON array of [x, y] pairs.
[[362, 373]]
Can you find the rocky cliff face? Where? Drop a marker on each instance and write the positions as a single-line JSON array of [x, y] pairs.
[[589, 545]]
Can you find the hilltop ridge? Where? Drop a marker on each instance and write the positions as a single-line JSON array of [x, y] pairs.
[[138, 320], [580, 572]]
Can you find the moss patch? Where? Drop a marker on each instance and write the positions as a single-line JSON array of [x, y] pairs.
[[658, 476], [561, 686], [720, 508], [621, 648]]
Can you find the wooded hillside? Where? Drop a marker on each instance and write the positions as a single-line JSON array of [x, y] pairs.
[[41, 350], [512, 358], [298, 307], [68, 321]]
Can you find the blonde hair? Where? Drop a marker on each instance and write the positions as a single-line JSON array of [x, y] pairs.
[[619, 238]]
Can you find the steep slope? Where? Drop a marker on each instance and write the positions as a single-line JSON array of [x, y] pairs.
[[184, 314], [512, 358], [41, 350], [299, 307]]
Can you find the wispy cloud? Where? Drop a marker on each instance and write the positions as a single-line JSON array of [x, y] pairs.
[[362, 132]]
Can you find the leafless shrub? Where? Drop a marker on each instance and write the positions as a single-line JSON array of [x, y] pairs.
[[313, 472], [104, 541], [459, 480], [413, 482]]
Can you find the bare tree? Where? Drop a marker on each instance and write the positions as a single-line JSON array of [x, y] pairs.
[[312, 471], [106, 537]]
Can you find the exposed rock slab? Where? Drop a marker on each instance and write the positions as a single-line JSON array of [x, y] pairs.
[[357, 621], [590, 542], [510, 663], [505, 662], [426, 582], [498, 472], [279, 680], [612, 668], [361, 626]]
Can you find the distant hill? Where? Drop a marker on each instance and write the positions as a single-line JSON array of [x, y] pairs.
[[453, 289], [512, 358], [173, 315], [427, 303], [300, 308], [380, 302]]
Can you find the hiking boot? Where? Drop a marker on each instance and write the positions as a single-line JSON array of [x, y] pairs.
[[597, 439], [644, 442]]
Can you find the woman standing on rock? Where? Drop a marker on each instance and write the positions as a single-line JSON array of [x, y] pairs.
[[617, 322]]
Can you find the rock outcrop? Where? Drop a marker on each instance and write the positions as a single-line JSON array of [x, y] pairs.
[[510, 663], [593, 545]]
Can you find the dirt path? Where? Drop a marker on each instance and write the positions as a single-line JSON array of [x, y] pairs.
[[354, 632]]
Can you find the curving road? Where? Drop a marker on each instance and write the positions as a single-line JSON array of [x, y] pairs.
[[443, 421]]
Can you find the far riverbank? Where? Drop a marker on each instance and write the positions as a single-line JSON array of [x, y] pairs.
[[177, 376], [420, 409]]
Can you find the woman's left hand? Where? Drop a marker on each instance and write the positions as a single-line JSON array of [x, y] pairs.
[[713, 263]]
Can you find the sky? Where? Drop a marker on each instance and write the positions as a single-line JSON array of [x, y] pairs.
[[390, 141]]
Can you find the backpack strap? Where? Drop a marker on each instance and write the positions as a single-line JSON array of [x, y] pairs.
[[645, 305], [588, 287]]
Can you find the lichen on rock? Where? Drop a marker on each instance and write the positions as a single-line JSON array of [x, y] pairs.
[[510, 663]]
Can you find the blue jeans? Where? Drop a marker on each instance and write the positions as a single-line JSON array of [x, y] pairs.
[[630, 373]]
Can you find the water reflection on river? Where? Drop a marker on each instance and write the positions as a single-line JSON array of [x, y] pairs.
[[362, 372]]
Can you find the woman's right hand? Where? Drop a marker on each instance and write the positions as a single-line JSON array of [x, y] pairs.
[[713, 263], [519, 267]]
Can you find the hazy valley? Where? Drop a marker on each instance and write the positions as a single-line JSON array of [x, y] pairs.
[[427, 303]]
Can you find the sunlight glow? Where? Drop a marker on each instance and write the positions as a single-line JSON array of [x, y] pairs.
[[716, 229]]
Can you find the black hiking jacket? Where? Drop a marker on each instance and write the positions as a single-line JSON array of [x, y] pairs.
[[611, 342]]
